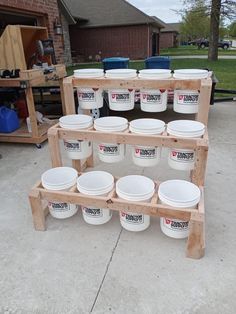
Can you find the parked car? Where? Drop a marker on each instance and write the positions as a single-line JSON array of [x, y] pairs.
[[221, 44]]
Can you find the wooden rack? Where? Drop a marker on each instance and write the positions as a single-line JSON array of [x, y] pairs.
[[27, 80], [196, 217], [204, 86]]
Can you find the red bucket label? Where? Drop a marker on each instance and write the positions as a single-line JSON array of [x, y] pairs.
[[145, 153], [109, 150], [187, 99], [87, 96], [182, 156], [151, 98], [136, 219], [120, 97], [60, 207], [175, 225], [92, 212]]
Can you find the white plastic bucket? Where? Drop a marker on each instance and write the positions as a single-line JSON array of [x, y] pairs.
[[183, 159], [186, 101], [146, 156], [121, 99], [95, 183], [135, 188], [89, 98], [60, 179], [111, 152], [152, 100], [77, 149], [180, 194]]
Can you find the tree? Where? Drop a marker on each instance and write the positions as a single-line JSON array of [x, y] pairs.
[[195, 22], [232, 29], [217, 10]]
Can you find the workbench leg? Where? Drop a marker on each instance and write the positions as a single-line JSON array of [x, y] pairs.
[[32, 112], [62, 97], [54, 147], [37, 210]]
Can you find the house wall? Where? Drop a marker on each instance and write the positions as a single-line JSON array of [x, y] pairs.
[[46, 13], [66, 40], [167, 40], [126, 41]]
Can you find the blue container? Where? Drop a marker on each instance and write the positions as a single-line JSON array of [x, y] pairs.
[[115, 63], [9, 121], [157, 63]]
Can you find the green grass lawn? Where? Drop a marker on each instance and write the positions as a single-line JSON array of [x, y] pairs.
[[223, 69], [193, 50]]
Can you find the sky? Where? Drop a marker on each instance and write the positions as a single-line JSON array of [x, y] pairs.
[[160, 8]]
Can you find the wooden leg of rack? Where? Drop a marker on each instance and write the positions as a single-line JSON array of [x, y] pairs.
[[90, 161], [54, 147], [37, 210], [196, 238], [198, 174], [68, 92], [62, 97], [77, 164]]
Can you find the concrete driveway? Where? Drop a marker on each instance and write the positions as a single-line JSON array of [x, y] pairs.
[[77, 268]]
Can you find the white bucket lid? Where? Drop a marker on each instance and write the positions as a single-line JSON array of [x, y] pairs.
[[155, 73], [59, 178], [179, 193], [147, 126], [76, 121], [95, 183], [186, 128], [111, 124], [84, 73], [135, 187], [190, 74], [121, 73]]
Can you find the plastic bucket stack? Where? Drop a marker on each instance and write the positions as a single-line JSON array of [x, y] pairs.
[[180, 194], [183, 159], [95, 183], [186, 101], [121, 99], [77, 149], [89, 98], [152, 100], [135, 188], [146, 156], [60, 179], [111, 152]]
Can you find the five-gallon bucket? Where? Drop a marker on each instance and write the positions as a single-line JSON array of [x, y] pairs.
[[146, 156], [111, 152], [77, 149], [60, 179], [95, 183], [183, 159], [135, 188], [121, 99], [154, 100], [89, 98], [180, 194], [186, 101]]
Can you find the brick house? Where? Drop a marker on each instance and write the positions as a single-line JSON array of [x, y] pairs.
[[40, 13], [111, 28], [170, 36]]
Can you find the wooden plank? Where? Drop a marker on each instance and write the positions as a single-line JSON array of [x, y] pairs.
[[37, 210], [32, 112], [54, 147], [204, 101], [137, 83], [118, 204], [63, 101], [198, 173], [68, 91], [17, 48], [130, 138]]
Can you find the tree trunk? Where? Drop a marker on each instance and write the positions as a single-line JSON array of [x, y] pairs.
[[214, 30]]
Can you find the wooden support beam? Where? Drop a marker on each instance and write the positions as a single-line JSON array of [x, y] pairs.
[[37, 210], [68, 92], [54, 147]]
